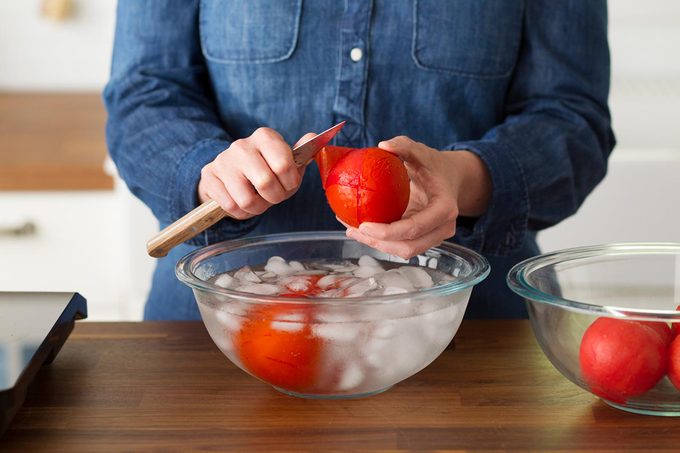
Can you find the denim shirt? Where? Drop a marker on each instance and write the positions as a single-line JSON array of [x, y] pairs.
[[521, 83]]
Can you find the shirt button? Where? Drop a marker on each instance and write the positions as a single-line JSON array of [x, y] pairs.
[[356, 54]]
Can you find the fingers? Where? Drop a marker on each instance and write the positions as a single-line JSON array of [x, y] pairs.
[[252, 174], [416, 225], [212, 188], [406, 248], [279, 157], [247, 177]]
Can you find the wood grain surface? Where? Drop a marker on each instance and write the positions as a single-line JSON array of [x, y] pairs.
[[165, 387], [52, 142]]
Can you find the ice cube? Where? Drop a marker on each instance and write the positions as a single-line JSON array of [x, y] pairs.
[[337, 332], [338, 268], [224, 342], [267, 276], [406, 347], [246, 274], [311, 272], [362, 287], [332, 316], [418, 277], [374, 354], [298, 266], [366, 260], [394, 278], [220, 335], [385, 329], [367, 271], [278, 265], [351, 377], [264, 289], [333, 292], [348, 281], [287, 326], [225, 280], [290, 317], [329, 280], [231, 322], [296, 284], [392, 290]]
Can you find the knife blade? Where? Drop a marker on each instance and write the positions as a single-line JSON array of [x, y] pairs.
[[210, 212], [306, 151]]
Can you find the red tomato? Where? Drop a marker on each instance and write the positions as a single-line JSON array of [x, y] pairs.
[[676, 325], [285, 355], [622, 359], [367, 185], [674, 362], [662, 329]]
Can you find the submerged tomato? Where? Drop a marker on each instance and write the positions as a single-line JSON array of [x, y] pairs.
[[277, 348], [364, 185], [622, 359]]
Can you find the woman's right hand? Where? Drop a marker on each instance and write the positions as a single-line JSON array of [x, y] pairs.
[[251, 175]]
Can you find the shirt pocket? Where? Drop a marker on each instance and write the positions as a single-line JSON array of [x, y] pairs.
[[474, 38], [249, 31]]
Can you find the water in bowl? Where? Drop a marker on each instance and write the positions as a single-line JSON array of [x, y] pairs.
[[341, 349]]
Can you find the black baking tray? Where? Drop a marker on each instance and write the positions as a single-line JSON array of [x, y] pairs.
[[33, 328]]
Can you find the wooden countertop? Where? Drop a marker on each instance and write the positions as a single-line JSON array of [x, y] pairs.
[[165, 386], [52, 142]]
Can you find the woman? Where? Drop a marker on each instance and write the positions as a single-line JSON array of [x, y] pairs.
[[498, 108]]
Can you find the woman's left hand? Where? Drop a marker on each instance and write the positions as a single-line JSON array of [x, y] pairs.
[[444, 185]]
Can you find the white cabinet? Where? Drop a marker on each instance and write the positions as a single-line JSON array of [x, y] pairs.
[[81, 243]]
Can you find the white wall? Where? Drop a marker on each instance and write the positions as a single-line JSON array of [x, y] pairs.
[[38, 54], [644, 39]]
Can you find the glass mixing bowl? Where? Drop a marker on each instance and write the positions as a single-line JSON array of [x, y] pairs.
[[603, 316], [331, 347]]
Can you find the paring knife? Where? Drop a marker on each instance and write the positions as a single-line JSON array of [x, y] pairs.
[[209, 213]]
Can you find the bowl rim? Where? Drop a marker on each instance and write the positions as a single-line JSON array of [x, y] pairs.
[[184, 270], [517, 278]]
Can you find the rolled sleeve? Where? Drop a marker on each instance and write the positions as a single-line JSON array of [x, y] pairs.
[[163, 125], [504, 224]]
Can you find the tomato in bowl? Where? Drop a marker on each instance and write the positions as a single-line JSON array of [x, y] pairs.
[[603, 315]]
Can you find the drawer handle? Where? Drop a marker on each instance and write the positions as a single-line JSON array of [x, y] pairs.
[[28, 228]]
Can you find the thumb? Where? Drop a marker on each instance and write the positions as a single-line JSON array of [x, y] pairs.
[[304, 138], [403, 147]]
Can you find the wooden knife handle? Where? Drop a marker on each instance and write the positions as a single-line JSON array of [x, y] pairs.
[[184, 228]]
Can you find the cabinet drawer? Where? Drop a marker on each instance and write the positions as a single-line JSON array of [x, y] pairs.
[[76, 245]]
